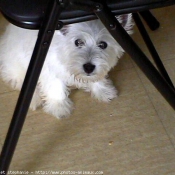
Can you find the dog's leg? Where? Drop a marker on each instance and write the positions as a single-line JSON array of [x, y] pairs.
[[103, 90], [55, 96], [13, 75]]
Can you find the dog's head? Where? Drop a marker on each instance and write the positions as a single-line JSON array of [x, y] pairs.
[[90, 51]]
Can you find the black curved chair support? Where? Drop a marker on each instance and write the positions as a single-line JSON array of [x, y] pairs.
[[29, 14], [150, 20], [49, 15]]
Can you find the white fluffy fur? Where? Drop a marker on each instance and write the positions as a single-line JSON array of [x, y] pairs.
[[63, 67]]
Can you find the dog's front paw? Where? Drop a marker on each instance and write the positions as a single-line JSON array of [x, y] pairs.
[[104, 91], [105, 95], [59, 109]]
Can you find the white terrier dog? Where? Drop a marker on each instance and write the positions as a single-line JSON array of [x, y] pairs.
[[80, 55]]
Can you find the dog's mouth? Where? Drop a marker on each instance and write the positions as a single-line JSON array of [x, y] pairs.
[[89, 73], [87, 78]]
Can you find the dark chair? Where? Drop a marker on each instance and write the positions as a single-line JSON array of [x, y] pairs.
[[49, 15]]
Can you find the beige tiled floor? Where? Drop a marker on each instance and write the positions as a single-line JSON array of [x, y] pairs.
[[139, 124]]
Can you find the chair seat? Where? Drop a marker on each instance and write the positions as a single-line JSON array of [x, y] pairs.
[[29, 13]]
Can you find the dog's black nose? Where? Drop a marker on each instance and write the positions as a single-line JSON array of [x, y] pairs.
[[88, 68]]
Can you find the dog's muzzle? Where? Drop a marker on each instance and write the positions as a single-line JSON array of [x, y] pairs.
[[88, 68]]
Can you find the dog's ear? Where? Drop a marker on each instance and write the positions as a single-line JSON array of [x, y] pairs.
[[126, 21], [64, 30]]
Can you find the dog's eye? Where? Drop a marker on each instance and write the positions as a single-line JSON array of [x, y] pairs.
[[79, 43], [103, 45]]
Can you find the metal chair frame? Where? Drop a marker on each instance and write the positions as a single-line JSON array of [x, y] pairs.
[[160, 79]]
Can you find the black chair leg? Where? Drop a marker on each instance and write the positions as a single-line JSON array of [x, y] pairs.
[[152, 49], [45, 35], [135, 52], [150, 20]]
